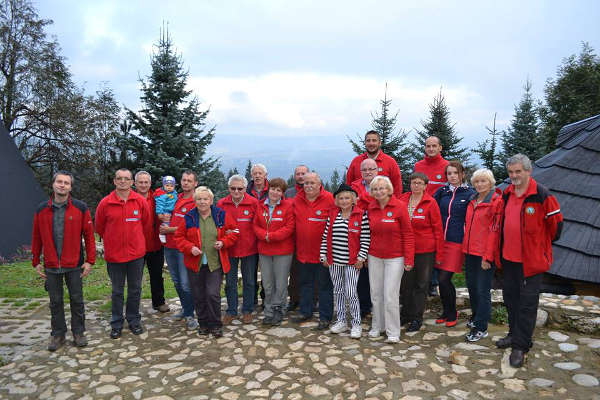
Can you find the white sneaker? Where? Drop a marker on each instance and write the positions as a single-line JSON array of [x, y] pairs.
[[191, 323], [392, 339], [374, 333], [476, 335], [339, 327], [356, 332]]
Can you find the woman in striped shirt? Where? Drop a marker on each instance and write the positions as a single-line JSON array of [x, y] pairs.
[[344, 250]]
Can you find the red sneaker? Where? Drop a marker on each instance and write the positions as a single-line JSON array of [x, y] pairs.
[[440, 320], [450, 324]]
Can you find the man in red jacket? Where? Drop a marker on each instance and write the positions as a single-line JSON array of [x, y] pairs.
[[528, 221], [386, 165], [58, 226], [155, 259], [311, 209], [122, 217], [433, 165], [241, 207]]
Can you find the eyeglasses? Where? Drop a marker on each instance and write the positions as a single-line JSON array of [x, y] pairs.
[[368, 170], [234, 189]]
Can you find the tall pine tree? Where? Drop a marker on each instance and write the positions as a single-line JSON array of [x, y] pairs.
[[522, 136], [171, 134], [439, 124], [489, 153], [393, 141]]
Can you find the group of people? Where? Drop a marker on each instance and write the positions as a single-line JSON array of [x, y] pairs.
[[366, 247]]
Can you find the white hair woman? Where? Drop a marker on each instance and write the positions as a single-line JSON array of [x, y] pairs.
[[344, 249], [479, 272], [392, 251]]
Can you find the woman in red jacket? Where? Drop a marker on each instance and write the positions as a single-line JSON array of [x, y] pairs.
[[391, 252], [274, 228], [476, 244], [203, 237], [426, 223]]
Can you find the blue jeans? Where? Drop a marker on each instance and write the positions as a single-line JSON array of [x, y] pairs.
[[309, 274], [248, 267], [479, 283], [180, 279]]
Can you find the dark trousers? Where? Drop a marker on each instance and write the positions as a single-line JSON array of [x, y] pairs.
[[248, 267], [206, 292], [364, 291], [132, 272], [434, 278], [447, 294], [311, 274], [155, 260], [521, 296], [259, 286], [479, 283], [54, 286], [294, 284], [414, 287]]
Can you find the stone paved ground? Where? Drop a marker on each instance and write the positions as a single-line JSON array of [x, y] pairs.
[[291, 361]]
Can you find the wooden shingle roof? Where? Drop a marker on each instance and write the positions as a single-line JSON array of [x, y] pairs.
[[572, 173]]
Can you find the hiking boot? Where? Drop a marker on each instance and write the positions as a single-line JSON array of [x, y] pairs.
[[247, 318], [414, 326], [163, 308], [227, 319], [505, 342], [56, 342], [80, 340]]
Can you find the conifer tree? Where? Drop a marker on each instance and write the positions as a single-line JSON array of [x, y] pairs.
[[170, 127], [393, 141], [248, 172], [438, 124], [522, 136], [489, 153]]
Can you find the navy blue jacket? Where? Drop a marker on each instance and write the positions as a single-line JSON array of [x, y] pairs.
[[453, 208]]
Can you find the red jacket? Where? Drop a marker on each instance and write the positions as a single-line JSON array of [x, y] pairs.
[[478, 222], [188, 235], [182, 207], [311, 218], [280, 228], [435, 169], [391, 232], [78, 223], [386, 166], [354, 229], [121, 225], [251, 190], [541, 224], [427, 226], [153, 242], [243, 215], [364, 198]]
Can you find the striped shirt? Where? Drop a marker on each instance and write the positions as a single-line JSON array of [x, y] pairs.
[[339, 240]]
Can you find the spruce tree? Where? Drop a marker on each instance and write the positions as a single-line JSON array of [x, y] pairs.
[[335, 180], [170, 127], [522, 136], [489, 153], [248, 172], [393, 141], [439, 124]]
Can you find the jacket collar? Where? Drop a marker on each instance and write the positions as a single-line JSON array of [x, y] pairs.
[[531, 188], [433, 160]]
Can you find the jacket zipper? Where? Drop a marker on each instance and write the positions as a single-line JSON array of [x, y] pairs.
[[449, 215]]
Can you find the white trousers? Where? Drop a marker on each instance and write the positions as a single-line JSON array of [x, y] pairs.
[[385, 276]]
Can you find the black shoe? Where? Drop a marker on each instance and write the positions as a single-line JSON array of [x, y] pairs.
[[517, 357], [115, 333], [433, 292], [217, 332], [414, 326], [504, 343], [364, 313], [322, 325], [203, 331], [301, 318], [277, 318], [80, 340], [267, 321], [136, 329], [56, 342], [292, 306]]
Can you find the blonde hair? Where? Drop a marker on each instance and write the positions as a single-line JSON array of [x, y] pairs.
[[385, 180], [203, 189], [345, 191], [484, 173]]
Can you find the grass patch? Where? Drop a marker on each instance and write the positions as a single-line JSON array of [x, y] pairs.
[[18, 303], [499, 315], [458, 279]]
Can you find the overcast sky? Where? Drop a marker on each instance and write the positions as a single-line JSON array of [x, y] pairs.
[[319, 67]]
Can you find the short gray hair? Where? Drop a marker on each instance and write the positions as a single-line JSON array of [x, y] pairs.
[[238, 177], [484, 173], [142, 173], [520, 159], [261, 166], [203, 189]]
